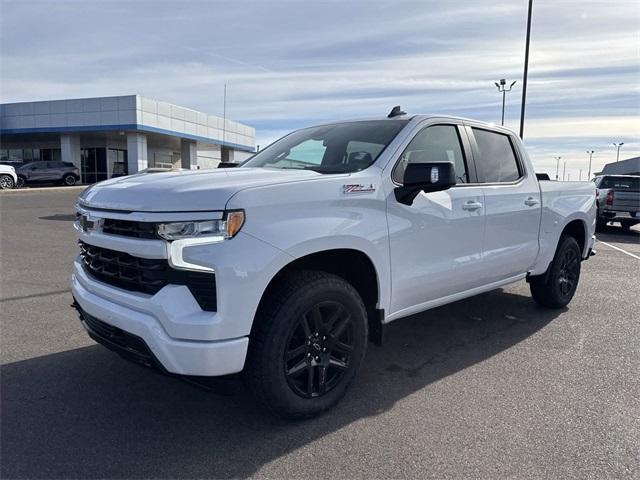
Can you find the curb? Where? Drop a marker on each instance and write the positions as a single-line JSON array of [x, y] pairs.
[[43, 189]]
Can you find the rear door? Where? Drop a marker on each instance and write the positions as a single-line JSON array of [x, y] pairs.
[[53, 171], [37, 172], [511, 201]]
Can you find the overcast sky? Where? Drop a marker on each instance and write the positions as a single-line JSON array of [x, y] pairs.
[[292, 64]]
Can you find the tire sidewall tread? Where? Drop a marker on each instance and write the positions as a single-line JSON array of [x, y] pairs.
[[544, 288], [274, 320]]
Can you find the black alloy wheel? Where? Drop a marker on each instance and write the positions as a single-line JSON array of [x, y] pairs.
[[307, 344], [556, 287], [319, 349], [569, 272]]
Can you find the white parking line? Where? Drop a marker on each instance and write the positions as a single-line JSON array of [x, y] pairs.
[[619, 249]]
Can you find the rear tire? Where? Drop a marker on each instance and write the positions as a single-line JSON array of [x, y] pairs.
[[556, 287], [6, 182], [626, 225], [307, 344]]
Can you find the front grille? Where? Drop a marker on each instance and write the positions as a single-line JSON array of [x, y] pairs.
[[128, 228], [146, 275]]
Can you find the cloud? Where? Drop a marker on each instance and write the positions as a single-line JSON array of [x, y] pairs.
[[292, 64]]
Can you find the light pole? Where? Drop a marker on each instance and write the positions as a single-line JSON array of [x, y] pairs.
[[502, 88], [618, 145], [526, 70], [564, 169], [557, 166], [590, 153]]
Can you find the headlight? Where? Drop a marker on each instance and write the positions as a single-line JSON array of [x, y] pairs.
[[224, 229]]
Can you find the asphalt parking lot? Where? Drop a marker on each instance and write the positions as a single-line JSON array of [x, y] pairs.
[[489, 387]]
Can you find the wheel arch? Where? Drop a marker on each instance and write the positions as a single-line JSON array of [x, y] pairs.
[[354, 266], [577, 229]]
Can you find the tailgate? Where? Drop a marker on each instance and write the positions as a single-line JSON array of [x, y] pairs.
[[628, 201]]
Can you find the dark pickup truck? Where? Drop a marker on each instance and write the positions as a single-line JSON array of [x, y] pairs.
[[618, 200]]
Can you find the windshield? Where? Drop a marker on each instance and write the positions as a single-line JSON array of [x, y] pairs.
[[336, 148], [621, 183]]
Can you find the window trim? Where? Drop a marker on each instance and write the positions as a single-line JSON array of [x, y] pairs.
[[476, 155], [465, 148]]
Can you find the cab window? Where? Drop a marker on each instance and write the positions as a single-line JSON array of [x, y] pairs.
[[437, 143], [497, 161]]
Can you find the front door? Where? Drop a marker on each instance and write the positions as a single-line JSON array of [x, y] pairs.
[[435, 243]]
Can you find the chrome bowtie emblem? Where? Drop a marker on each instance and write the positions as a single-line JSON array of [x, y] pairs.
[[89, 223]]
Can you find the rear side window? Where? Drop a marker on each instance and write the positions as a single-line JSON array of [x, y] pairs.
[[497, 162], [437, 143]]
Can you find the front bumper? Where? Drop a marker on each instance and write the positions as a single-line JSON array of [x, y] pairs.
[[145, 317]]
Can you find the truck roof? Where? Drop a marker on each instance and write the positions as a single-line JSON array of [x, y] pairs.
[[415, 118]]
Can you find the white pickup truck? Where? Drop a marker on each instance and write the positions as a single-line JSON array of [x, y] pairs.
[[285, 267]]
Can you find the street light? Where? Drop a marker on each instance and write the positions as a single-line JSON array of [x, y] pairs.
[[523, 103], [590, 153], [502, 88], [564, 169], [618, 145], [557, 166]]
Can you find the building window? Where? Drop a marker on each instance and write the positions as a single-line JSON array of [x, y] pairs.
[[50, 154], [93, 164], [117, 162]]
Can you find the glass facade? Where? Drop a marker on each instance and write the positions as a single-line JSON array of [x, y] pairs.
[[19, 156], [117, 162], [93, 164]]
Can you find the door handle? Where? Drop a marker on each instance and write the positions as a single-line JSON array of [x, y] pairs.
[[531, 202], [471, 206]]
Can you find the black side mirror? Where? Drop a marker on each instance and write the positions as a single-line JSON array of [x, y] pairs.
[[425, 177]]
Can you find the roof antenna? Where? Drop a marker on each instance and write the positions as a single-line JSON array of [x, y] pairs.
[[396, 112]]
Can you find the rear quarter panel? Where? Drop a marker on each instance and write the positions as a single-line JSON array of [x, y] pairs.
[[562, 203]]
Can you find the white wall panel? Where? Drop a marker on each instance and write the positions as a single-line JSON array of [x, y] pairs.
[[149, 105], [164, 122]]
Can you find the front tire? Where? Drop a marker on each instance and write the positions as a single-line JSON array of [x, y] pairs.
[[6, 182], [556, 287], [21, 182], [307, 345]]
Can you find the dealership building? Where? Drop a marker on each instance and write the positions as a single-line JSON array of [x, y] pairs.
[[112, 136]]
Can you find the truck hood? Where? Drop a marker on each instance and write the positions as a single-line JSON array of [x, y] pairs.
[[183, 191]]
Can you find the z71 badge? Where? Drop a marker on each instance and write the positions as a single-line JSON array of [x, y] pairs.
[[358, 188]]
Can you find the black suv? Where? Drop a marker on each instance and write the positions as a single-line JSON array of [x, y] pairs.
[[64, 173]]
